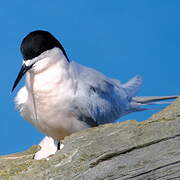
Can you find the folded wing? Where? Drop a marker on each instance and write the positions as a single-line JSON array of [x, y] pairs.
[[99, 99]]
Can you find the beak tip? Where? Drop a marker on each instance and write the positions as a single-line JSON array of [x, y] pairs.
[[23, 70], [12, 90]]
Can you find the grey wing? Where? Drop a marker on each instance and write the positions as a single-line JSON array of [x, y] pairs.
[[98, 99]]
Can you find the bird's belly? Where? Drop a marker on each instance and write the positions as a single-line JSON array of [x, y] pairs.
[[47, 106], [58, 124], [53, 115]]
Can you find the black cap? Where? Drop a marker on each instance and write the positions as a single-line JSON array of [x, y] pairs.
[[38, 42]]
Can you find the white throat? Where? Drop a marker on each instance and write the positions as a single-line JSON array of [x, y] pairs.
[[50, 68]]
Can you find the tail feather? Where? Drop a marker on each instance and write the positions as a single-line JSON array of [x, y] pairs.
[[149, 100], [139, 101], [156, 103]]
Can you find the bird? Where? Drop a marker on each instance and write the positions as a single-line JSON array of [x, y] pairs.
[[61, 97]]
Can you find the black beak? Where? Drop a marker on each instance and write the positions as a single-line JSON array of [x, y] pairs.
[[23, 70]]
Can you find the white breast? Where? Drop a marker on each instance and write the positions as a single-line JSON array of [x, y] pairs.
[[46, 100]]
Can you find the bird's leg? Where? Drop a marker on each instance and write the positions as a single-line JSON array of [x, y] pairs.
[[49, 146], [60, 145]]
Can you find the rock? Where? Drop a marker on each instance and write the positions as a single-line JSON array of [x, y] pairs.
[[128, 150]]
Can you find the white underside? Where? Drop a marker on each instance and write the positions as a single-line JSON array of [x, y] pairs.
[[45, 102]]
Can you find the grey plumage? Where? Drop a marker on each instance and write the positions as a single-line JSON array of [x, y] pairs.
[[101, 100]]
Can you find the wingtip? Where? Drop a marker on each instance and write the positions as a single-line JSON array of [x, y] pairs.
[[133, 85], [138, 77]]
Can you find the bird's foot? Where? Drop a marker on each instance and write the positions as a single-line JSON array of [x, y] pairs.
[[49, 146]]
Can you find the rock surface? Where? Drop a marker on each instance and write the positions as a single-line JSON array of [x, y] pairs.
[[129, 150]]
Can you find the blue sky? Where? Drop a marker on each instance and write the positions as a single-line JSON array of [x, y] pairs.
[[119, 38]]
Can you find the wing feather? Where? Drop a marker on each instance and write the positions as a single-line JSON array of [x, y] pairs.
[[98, 97]]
